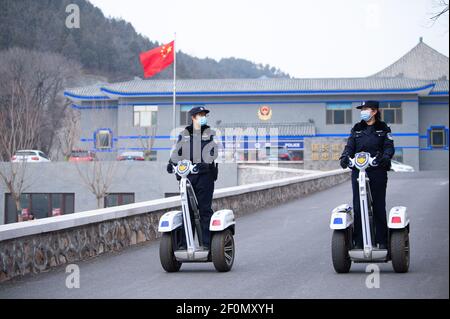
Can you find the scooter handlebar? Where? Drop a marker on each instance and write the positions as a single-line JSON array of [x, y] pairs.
[[193, 169], [373, 161]]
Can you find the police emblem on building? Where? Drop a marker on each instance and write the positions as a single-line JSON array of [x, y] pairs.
[[265, 113]]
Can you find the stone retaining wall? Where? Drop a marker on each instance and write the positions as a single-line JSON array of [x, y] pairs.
[[40, 245]]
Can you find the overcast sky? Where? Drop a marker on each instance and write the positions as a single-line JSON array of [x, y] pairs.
[[305, 38]]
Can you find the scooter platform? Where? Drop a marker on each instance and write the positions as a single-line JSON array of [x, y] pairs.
[[198, 255], [376, 255]]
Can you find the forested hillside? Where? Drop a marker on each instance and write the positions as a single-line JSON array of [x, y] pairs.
[[103, 46]]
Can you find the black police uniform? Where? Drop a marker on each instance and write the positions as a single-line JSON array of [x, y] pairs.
[[203, 182], [377, 140]]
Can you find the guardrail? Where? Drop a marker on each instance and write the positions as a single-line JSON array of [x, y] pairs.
[[38, 245]]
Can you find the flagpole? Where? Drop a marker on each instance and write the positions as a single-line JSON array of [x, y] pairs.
[[174, 82]]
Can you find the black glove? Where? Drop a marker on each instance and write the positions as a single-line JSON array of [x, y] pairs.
[[345, 161], [202, 167], [170, 168], [384, 162]]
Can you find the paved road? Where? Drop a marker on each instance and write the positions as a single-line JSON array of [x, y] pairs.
[[281, 253]]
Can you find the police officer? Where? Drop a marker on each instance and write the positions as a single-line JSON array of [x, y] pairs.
[[196, 143], [373, 136]]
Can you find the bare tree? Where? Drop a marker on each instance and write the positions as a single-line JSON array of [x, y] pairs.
[[35, 81], [98, 177], [147, 140], [13, 175], [13, 120], [69, 134], [31, 83], [442, 7]]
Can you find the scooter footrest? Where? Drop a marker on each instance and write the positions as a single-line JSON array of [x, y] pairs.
[[185, 256], [375, 255]]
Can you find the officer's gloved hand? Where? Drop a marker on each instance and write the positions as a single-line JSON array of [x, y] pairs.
[[345, 162], [202, 167], [169, 168], [384, 162]]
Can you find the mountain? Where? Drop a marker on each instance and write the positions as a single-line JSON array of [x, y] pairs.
[[104, 46]]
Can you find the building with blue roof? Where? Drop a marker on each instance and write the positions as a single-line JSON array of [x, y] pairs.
[[303, 113]]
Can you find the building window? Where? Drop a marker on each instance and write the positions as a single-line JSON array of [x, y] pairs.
[[391, 112], [103, 139], [339, 113], [398, 156], [39, 206], [185, 119], [119, 199], [145, 115], [438, 137]]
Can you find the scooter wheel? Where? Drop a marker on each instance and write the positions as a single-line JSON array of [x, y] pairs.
[[166, 255], [339, 251], [222, 250], [400, 250]]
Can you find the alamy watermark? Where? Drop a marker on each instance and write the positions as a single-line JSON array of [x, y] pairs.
[[73, 279], [373, 279], [73, 19], [229, 144]]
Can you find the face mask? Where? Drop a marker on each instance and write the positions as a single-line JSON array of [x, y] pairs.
[[366, 115], [203, 121]]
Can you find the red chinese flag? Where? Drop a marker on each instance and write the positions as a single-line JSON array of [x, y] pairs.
[[157, 59]]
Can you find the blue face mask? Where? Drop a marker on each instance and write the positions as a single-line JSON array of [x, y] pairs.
[[203, 121], [366, 115]]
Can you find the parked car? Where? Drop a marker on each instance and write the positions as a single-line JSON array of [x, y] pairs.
[[131, 156], [400, 167], [82, 156], [283, 155], [286, 155], [29, 156], [296, 155]]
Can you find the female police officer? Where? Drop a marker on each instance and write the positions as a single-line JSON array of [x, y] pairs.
[[373, 136], [196, 143]]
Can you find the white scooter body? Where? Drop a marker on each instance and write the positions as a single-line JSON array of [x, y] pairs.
[[172, 220], [342, 216], [220, 220], [398, 217]]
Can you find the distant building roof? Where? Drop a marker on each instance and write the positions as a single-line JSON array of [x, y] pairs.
[[221, 87], [87, 92], [422, 62], [441, 87]]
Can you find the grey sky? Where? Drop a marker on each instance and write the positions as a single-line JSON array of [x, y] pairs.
[[326, 38]]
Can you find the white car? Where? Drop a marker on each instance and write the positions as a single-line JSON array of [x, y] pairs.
[[29, 156], [400, 167]]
